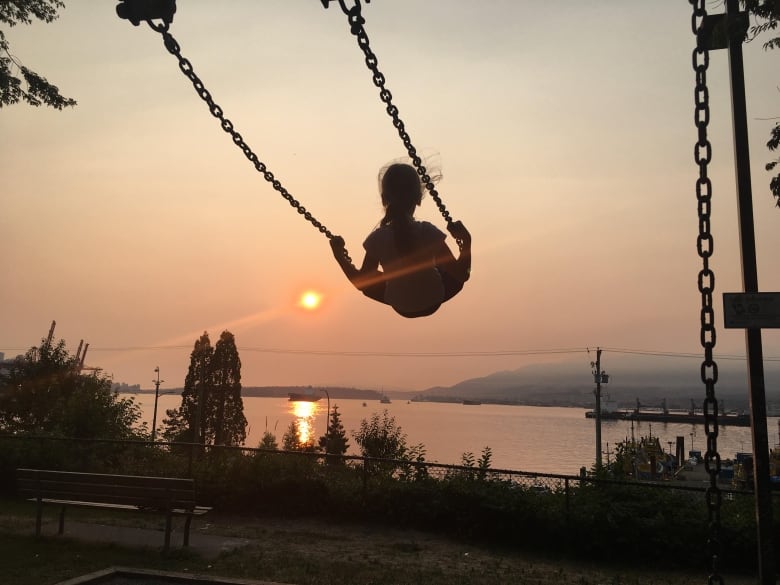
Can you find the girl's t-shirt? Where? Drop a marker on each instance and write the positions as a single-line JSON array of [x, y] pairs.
[[414, 284]]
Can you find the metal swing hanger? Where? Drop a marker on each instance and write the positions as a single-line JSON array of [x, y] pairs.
[[163, 10], [356, 24]]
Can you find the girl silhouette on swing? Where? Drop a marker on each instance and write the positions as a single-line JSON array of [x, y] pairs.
[[418, 270]]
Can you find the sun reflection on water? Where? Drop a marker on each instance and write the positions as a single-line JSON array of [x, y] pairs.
[[304, 412]]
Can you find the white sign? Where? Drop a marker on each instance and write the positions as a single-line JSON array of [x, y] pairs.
[[751, 310]]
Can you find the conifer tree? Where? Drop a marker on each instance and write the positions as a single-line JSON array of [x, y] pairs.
[[211, 410], [291, 438], [334, 441], [268, 441], [227, 415]]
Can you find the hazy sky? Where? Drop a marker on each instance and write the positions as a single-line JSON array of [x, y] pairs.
[[565, 131]]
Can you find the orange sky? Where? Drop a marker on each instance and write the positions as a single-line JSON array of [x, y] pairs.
[[566, 138]]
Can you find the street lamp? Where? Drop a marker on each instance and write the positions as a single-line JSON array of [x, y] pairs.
[[157, 383], [327, 422]]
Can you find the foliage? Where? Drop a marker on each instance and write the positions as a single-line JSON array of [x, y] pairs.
[[767, 16], [334, 441], [591, 518], [182, 423], [46, 393], [211, 411], [35, 90], [413, 467], [773, 144], [227, 407], [268, 441], [291, 438], [381, 437], [482, 464]]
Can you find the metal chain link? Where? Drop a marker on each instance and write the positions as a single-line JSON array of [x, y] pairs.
[[186, 67], [356, 22], [706, 284]]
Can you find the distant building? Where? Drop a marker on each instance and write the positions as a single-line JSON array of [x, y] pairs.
[[123, 388]]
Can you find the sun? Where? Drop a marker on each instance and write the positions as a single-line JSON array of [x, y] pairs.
[[310, 300]]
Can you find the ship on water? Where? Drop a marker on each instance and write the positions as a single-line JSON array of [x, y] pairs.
[[640, 413], [303, 397]]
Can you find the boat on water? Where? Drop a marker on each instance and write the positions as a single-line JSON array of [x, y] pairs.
[[609, 411], [384, 400], [303, 397], [730, 419], [744, 468], [644, 459]]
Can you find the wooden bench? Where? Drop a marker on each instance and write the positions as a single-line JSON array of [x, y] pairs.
[[164, 495]]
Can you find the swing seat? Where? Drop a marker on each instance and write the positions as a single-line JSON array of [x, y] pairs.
[[450, 287]]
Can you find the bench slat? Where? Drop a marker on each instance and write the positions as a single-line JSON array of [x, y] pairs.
[[157, 500], [103, 478], [109, 492]]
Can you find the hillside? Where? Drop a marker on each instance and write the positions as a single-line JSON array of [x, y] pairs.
[[572, 384]]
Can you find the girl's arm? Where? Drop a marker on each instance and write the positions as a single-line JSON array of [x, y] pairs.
[[459, 268], [368, 279]]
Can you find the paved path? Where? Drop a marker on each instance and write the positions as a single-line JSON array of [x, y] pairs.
[[206, 545]]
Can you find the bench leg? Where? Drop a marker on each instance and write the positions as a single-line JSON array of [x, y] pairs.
[[187, 523], [62, 522], [168, 522], [38, 515]]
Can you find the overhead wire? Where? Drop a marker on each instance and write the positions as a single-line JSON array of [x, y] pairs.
[[426, 354]]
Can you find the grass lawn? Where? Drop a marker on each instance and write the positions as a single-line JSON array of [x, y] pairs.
[[304, 552]]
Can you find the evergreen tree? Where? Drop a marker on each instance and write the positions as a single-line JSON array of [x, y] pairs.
[[268, 441], [227, 415], [211, 410], [183, 423], [334, 441], [291, 439]]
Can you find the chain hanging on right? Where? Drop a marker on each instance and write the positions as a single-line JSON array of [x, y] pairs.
[[706, 283]]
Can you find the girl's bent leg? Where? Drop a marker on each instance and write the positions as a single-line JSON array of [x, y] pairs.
[[375, 291], [452, 286]]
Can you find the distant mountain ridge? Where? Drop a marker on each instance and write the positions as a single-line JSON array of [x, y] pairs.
[[569, 384], [573, 384]]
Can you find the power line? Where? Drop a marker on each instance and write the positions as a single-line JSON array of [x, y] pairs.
[[672, 354], [417, 354]]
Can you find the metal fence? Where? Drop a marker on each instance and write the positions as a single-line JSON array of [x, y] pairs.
[[189, 460]]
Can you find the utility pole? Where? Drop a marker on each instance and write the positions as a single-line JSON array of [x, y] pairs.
[[157, 383], [599, 376]]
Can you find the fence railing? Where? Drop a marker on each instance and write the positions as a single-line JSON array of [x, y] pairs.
[[188, 461]]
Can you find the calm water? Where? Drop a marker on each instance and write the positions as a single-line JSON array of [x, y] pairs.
[[527, 438]]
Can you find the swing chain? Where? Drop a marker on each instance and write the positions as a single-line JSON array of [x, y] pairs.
[[706, 285], [186, 67], [356, 22]]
